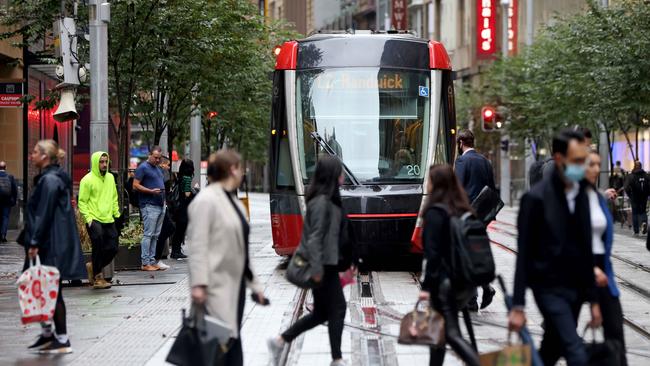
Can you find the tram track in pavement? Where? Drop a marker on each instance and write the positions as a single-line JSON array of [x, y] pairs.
[[639, 329], [374, 347]]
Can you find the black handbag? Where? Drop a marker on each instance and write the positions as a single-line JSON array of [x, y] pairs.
[[299, 271], [192, 346], [606, 353], [487, 204]]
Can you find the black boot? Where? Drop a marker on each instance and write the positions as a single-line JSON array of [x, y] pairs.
[[178, 255]]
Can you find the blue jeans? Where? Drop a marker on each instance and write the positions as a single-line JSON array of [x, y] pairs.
[[152, 218], [4, 220], [560, 308]]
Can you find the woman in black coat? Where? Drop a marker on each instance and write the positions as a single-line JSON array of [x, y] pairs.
[[185, 196], [445, 190], [51, 233]]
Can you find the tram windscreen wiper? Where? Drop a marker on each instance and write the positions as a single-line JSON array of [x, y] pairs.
[[317, 137]]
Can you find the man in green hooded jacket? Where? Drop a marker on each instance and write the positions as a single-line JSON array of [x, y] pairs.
[[99, 207]]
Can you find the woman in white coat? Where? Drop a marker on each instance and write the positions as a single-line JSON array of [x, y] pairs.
[[217, 237]]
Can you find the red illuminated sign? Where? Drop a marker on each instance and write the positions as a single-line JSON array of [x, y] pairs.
[[512, 27], [486, 28], [399, 17]]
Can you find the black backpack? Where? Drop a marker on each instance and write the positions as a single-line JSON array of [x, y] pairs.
[[536, 172], [174, 197], [471, 256], [5, 188]]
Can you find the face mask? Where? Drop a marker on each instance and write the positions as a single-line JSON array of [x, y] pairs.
[[574, 172]]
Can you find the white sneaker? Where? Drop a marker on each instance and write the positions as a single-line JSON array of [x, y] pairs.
[[276, 350], [162, 265]]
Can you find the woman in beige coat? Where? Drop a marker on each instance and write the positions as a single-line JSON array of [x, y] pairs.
[[217, 237]]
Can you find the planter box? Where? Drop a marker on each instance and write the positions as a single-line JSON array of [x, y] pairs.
[[127, 259]]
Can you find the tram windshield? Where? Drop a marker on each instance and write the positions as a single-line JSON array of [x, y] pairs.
[[375, 119]]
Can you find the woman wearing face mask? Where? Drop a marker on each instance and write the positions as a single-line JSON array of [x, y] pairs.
[[602, 226]]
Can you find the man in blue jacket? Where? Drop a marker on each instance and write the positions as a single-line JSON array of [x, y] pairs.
[[474, 172]]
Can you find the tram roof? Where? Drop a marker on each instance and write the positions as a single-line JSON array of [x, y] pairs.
[[368, 49]]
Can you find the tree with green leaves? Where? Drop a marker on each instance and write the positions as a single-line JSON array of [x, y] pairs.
[[587, 69]]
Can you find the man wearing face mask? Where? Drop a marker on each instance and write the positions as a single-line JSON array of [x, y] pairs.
[[555, 257], [474, 172]]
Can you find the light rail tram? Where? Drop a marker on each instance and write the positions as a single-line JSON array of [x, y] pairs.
[[381, 102]]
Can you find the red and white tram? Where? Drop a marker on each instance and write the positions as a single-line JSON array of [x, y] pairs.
[[384, 104]]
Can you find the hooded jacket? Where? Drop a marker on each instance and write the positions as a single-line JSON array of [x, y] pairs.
[[50, 224], [98, 194]]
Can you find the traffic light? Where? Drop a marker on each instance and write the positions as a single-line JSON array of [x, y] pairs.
[[505, 144], [212, 115], [488, 118]]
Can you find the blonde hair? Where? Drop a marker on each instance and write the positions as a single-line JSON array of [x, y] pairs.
[[52, 150]]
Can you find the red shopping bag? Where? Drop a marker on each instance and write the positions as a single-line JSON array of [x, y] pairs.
[[38, 288], [347, 277]]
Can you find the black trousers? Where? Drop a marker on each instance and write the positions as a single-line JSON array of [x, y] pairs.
[[330, 307], [612, 312], [445, 304], [179, 234], [104, 244], [166, 231], [235, 354]]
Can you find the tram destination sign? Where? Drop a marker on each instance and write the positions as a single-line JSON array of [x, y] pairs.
[[10, 94], [352, 80]]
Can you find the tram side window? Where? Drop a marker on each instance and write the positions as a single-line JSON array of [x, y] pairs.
[[441, 142], [284, 176]]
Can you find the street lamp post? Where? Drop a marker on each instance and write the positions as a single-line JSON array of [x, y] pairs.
[[505, 160], [99, 13], [529, 158], [195, 136]]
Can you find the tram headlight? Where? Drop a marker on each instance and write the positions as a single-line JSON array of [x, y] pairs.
[[277, 50]]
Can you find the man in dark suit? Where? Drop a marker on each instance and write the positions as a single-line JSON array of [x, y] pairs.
[[555, 257], [474, 172]]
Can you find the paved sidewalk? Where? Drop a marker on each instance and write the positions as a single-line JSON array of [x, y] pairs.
[[124, 325], [135, 323]]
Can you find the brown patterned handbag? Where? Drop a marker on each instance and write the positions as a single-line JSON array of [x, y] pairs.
[[424, 327]]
